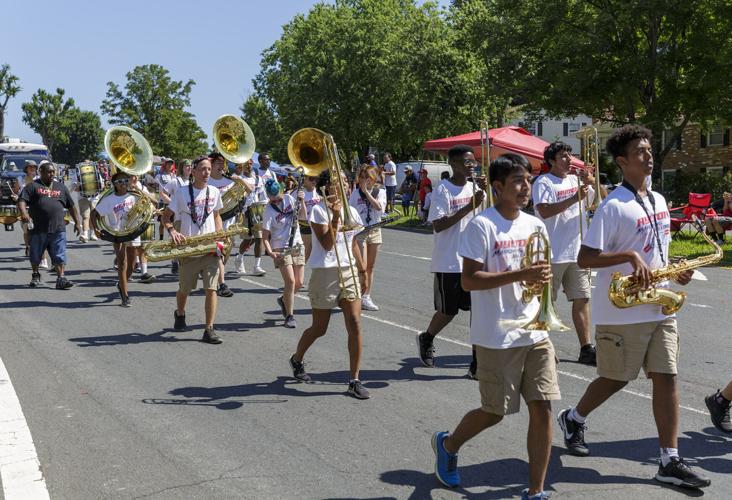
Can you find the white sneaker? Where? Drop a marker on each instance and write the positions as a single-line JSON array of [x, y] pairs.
[[92, 236], [82, 238], [239, 262], [367, 304], [43, 264], [258, 271]]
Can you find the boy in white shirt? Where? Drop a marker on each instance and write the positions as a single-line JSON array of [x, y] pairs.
[[512, 360], [223, 183], [630, 233]]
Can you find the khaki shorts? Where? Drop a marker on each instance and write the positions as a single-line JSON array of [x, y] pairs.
[[324, 288], [370, 237], [623, 349], [505, 374], [85, 207], [573, 279], [189, 269], [290, 260]]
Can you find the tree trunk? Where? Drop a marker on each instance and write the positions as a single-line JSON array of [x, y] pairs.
[[2, 123]]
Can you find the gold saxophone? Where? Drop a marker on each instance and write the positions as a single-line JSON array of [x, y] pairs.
[[624, 291], [194, 246]]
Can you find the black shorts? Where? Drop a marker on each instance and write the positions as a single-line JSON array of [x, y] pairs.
[[449, 294]]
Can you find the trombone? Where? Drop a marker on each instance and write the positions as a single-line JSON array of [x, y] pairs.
[[485, 160], [315, 151], [591, 157]]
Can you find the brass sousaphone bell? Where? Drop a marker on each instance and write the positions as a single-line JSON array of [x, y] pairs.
[[234, 139]]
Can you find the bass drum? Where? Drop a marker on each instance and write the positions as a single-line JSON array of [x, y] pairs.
[[90, 182], [9, 215], [256, 215]]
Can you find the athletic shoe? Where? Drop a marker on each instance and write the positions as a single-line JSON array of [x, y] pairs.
[[718, 412], [367, 304], [574, 434], [678, 473], [174, 268], [63, 284], [147, 278], [126, 301], [473, 370], [290, 322], [223, 291], [536, 496], [357, 390], [210, 337], [35, 280], [588, 355], [179, 323], [92, 236], [137, 269], [425, 343], [281, 303], [82, 239], [298, 370], [239, 263], [43, 264], [445, 462], [258, 271]]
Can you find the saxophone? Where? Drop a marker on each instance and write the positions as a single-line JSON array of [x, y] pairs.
[[194, 246], [624, 291]]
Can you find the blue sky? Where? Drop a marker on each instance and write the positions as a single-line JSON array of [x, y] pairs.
[[81, 45]]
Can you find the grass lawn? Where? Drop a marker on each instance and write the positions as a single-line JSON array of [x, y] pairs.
[[410, 222], [684, 245]]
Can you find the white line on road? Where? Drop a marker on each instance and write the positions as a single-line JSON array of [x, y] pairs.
[[19, 466], [464, 344], [405, 255], [703, 306]]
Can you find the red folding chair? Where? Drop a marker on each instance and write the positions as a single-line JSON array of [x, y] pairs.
[[699, 205]]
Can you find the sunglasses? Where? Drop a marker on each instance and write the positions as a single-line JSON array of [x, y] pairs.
[[122, 181]]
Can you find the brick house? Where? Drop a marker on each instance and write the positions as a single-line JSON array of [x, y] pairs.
[[699, 151]]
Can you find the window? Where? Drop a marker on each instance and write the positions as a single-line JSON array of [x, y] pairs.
[[715, 171], [715, 137], [667, 178], [574, 127], [668, 139], [530, 126]]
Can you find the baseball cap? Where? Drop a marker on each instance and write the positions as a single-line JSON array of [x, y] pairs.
[[30, 163], [185, 162]]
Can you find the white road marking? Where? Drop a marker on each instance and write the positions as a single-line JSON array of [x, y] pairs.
[[703, 306], [19, 466], [405, 255], [464, 344]]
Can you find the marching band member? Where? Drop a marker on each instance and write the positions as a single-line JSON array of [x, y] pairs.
[[162, 179], [115, 208], [332, 283], [556, 195], [181, 179], [86, 205], [277, 227], [256, 198], [218, 180], [311, 198], [512, 361], [450, 212], [140, 261], [630, 233], [197, 207], [370, 201]]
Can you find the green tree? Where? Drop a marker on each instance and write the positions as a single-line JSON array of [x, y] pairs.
[[85, 138], [663, 64], [48, 115], [155, 105], [8, 88]]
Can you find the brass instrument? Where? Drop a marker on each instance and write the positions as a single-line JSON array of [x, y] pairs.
[[624, 291], [485, 160], [130, 153], [194, 246], [234, 139], [591, 158], [385, 221], [315, 151], [538, 249]]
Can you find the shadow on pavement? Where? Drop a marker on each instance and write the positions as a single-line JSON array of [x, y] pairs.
[[131, 338]]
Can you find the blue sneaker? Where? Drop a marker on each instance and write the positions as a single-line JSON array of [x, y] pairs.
[[542, 495], [445, 463]]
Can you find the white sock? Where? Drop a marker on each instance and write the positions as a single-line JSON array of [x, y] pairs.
[[667, 453], [257, 261], [143, 265], [576, 416]]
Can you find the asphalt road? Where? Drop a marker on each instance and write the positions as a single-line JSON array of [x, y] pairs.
[[121, 406]]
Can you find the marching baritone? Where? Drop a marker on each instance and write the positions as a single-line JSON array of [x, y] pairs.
[[197, 207], [513, 360], [630, 233]]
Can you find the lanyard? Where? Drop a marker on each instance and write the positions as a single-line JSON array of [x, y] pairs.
[[280, 210], [368, 206], [206, 211], [654, 227]]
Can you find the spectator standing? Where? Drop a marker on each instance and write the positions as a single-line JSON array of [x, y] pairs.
[[390, 181], [408, 189], [424, 181]]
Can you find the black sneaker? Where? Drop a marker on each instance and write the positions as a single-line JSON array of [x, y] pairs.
[[180, 322], [174, 267], [63, 284], [574, 434], [588, 355], [147, 278], [298, 370], [223, 291], [679, 473], [126, 302], [35, 280], [281, 303], [473, 370], [357, 390], [290, 322], [425, 343], [719, 413], [210, 337]]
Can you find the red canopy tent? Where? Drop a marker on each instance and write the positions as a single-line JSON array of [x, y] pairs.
[[502, 140]]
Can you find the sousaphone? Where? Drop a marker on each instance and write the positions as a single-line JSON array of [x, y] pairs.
[[234, 139]]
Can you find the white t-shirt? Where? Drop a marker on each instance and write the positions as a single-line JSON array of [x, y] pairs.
[[162, 180], [427, 201], [174, 185], [563, 228], [369, 215], [319, 258], [390, 180], [446, 200], [224, 184], [620, 225], [180, 205], [114, 208], [312, 198], [280, 224], [498, 314], [266, 174]]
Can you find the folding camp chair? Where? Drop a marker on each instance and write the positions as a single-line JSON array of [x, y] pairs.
[[699, 205]]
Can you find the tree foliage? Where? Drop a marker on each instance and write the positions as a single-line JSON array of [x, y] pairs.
[[85, 138], [48, 115], [155, 105], [9, 88]]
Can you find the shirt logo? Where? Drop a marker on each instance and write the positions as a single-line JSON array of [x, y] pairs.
[[458, 203], [503, 247], [53, 193]]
